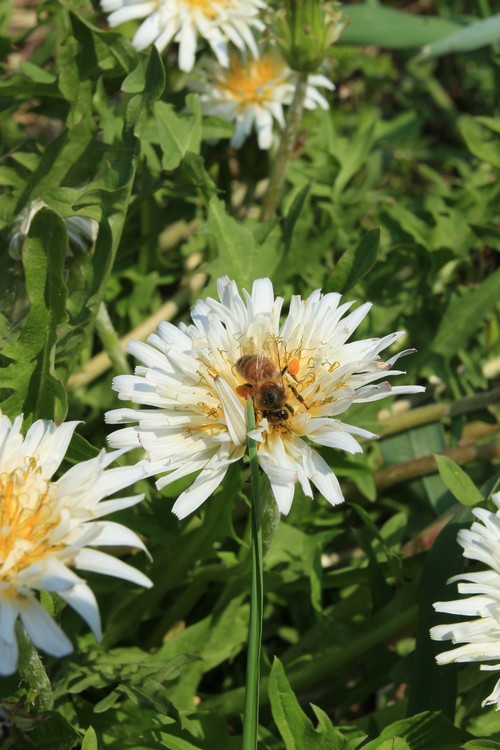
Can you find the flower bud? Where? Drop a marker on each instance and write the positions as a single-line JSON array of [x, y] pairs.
[[306, 30]]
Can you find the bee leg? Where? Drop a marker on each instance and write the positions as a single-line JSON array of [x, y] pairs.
[[297, 395], [290, 409], [245, 391]]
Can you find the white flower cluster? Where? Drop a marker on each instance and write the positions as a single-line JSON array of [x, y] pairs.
[[249, 90], [48, 527], [479, 637]]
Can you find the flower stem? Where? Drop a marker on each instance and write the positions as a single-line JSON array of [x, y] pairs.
[[251, 711], [277, 178], [110, 340], [32, 671]]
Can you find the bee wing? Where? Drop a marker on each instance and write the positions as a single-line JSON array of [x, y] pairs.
[[262, 360], [270, 353]]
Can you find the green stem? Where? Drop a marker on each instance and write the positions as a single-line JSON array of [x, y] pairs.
[[252, 686], [110, 340], [32, 671], [277, 178]]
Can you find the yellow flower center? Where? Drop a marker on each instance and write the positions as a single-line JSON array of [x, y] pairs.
[[252, 82], [27, 519], [209, 8]]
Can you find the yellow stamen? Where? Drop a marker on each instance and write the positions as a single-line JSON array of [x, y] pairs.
[[251, 82], [209, 8], [27, 519]]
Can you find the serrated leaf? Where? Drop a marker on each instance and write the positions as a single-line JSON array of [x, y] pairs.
[[294, 726], [458, 482], [178, 133], [355, 263], [239, 255], [147, 78], [479, 34], [106, 52], [36, 389], [55, 733], [481, 139], [464, 315]]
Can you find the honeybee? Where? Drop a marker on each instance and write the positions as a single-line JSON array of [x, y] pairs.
[[265, 385]]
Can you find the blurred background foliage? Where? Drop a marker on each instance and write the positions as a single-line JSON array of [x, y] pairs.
[[410, 147]]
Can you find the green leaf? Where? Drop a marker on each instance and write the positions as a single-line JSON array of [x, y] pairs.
[[106, 52], [463, 316], [293, 216], [174, 743], [353, 155], [481, 138], [355, 263], [239, 255], [90, 740], [148, 78], [395, 743], [479, 34], [178, 132], [36, 389], [458, 482], [35, 73], [80, 450], [294, 726], [375, 24], [54, 733], [425, 731], [481, 745]]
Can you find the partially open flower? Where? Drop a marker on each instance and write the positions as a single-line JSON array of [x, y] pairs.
[[48, 527], [480, 636], [300, 375], [253, 93], [306, 31], [82, 230], [183, 21]]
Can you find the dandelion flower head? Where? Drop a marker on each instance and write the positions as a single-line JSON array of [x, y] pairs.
[[253, 93], [217, 21], [479, 637], [196, 378], [48, 527]]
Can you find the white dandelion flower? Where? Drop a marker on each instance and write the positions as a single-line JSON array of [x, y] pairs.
[[48, 527], [253, 93], [300, 374], [480, 636], [183, 21]]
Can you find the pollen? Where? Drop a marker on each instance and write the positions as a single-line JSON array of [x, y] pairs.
[[209, 8], [27, 519]]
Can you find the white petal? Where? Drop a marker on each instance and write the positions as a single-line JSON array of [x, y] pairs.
[[203, 486], [112, 534], [99, 562], [82, 600], [8, 641], [42, 629], [323, 477], [233, 410]]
